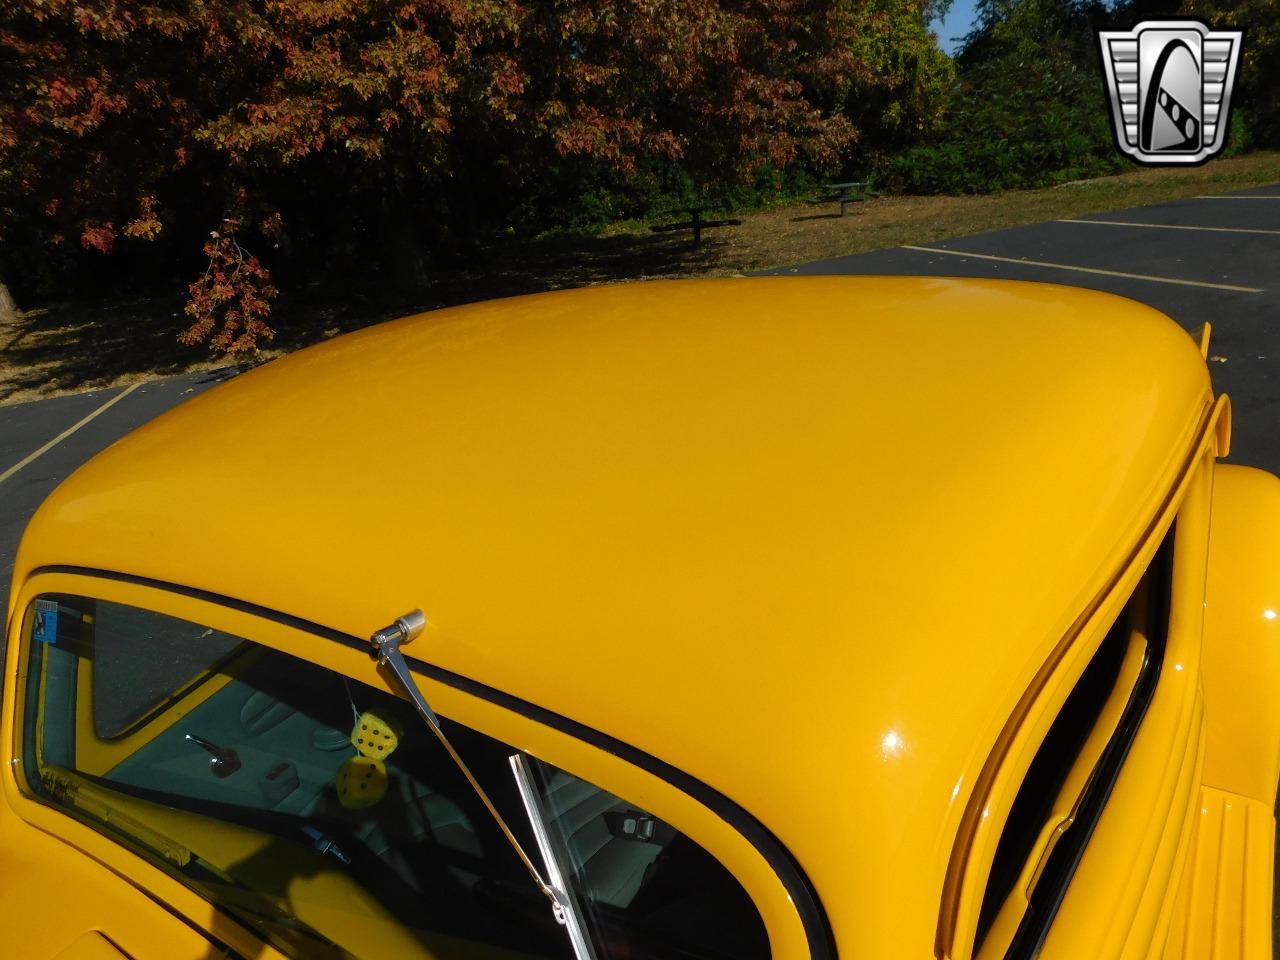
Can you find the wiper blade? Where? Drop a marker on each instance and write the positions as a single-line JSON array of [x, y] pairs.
[[558, 880], [68, 787]]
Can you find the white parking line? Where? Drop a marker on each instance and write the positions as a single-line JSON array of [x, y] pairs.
[[1256, 196], [68, 432], [1175, 226], [1104, 273]]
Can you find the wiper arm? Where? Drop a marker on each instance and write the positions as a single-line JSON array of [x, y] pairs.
[[386, 642]]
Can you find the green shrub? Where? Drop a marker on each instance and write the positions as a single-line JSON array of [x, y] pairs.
[[1239, 135]]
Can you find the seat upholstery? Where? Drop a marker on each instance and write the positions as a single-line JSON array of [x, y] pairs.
[[610, 869]]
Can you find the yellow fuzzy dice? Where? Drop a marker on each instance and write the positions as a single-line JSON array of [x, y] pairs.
[[362, 782], [375, 736]]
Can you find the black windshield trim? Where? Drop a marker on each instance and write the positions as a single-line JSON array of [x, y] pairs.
[[817, 926]]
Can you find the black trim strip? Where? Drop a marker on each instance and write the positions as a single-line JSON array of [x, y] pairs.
[[266, 613], [804, 897], [1058, 872]]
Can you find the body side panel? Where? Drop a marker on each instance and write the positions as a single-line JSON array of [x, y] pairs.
[[1223, 906], [1242, 635]]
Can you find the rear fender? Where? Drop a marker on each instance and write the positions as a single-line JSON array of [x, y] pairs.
[[1241, 665]]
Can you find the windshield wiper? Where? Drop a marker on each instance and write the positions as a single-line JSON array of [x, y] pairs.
[[386, 643]]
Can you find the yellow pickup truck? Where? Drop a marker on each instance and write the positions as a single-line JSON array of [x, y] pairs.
[[710, 620]]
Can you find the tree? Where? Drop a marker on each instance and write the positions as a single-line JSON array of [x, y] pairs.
[[341, 128], [90, 127], [903, 97], [1258, 92], [7, 307], [1026, 29], [1028, 107]]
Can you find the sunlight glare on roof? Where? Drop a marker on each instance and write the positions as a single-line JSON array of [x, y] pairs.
[[891, 745]]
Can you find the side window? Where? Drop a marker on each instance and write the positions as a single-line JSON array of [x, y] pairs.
[[142, 658], [644, 889], [1071, 775], [326, 815]]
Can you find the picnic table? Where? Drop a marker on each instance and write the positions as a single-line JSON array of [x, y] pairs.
[[695, 223], [854, 191]]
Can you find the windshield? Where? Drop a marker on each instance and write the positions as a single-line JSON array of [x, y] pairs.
[[314, 808], [327, 816]]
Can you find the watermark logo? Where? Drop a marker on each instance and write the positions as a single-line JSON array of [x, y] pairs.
[[1170, 83]]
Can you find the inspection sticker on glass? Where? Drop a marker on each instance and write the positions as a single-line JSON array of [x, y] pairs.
[[46, 629]]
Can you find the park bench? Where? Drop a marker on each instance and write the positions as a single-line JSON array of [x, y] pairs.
[[845, 193], [694, 223]]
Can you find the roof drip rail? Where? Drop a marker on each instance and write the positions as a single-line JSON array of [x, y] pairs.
[[386, 644]]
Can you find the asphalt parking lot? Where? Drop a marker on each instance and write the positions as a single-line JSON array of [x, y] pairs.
[[1213, 259], [1210, 258], [43, 441]]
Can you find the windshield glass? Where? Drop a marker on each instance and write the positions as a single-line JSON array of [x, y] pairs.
[[327, 816], [315, 809]]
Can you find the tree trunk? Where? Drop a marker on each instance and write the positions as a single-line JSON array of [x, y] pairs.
[[7, 307]]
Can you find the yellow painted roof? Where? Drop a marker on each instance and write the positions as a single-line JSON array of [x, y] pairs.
[[807, 539]]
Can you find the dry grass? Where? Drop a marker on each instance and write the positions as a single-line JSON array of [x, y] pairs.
[[77, 347], [798, 235]]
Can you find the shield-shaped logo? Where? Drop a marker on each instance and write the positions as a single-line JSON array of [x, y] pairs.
[[1170, 83]]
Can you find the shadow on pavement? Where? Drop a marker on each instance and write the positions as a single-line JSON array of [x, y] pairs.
[[85, 346]]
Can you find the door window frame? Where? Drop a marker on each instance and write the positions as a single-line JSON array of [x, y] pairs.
[[989, 805]]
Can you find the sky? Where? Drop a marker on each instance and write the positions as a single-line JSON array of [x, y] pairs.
[[957, 23]]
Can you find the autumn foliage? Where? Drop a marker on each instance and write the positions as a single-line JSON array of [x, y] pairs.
[[332, 129], [382, 140], [231, 300]]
